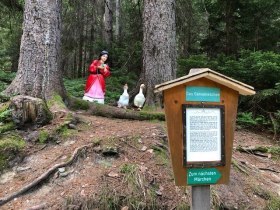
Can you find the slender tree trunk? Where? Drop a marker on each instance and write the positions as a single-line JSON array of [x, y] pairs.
[[85, 47], [189, 29], [39, 70], [159, 45], [231, 39], [117, 31], [108, 23], [80, 39]]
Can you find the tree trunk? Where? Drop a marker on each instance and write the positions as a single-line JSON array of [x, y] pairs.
[[39, 71], [80, 34], [112, 111], [108, 23], [231, 38], [159, 45], [117, 30]]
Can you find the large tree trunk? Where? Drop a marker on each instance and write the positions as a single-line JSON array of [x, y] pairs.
[[39, 71], [159, 51]]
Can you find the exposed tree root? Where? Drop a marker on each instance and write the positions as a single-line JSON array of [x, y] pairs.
[[253, 150], [44, 176], [242, 168], [268, 169]]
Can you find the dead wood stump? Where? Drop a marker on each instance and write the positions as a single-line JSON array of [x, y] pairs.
[[29, 110]]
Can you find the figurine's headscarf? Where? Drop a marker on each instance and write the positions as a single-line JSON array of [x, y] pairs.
[[104, 52]]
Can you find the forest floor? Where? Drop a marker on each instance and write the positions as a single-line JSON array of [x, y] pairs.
[[134, 173]]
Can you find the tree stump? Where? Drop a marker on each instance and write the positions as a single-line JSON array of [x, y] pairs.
[[29, 110]]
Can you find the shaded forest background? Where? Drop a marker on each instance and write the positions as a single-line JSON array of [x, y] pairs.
[[237, 38]]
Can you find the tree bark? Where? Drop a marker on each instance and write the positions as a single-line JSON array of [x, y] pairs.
[[117, 30], [231, 37], [39, 70], [159, 45], [108, 23], [81, 39]]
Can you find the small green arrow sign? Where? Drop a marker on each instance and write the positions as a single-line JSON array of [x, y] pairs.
[[197, 176]]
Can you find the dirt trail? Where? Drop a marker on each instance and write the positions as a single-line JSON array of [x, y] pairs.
[[136, 141]]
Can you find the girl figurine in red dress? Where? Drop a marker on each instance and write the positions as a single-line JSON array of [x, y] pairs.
[[95, 85]]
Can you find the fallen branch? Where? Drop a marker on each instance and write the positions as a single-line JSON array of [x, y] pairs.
[[43, 177], [114, 112]]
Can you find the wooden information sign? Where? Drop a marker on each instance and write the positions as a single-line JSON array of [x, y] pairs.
[[200, 110]]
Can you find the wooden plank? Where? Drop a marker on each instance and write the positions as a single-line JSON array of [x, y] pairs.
[[243, 90], [201, 197], [195, 74], [179, 81]]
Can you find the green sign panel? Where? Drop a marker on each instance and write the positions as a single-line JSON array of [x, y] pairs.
[[197, 176], [210, 94]]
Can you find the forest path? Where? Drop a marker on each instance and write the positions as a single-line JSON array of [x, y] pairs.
[[138, 143]]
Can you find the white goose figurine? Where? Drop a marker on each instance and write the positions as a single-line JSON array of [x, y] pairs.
[[124, 98], [140, 98]]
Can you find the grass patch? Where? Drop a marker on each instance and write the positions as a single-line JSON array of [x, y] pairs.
[[161, 155], [133, 141], [64, 132], [96, 142], [183, 206], [43, 137], [105, 163], [275, 151], [138, 196], [273, 203], [6, 123], [109, 199], [259, 191], [110, 141], [133, 193], [75, 87], [7, 127], [128, 170]]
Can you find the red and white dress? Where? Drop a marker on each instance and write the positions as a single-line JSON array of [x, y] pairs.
[[95, 85]]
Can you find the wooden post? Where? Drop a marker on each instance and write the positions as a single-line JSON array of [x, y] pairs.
[[201, 197]]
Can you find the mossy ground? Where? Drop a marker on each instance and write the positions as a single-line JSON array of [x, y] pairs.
[[10, 146]]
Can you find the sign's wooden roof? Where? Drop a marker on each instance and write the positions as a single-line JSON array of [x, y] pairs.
[[194, 74]]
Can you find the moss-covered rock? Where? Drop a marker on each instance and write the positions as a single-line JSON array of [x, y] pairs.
[[10, 146]]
